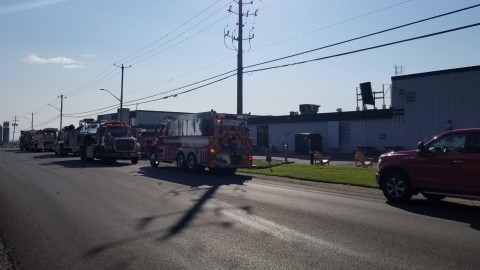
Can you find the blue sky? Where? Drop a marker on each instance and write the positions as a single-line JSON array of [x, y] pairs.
[[69, 47]]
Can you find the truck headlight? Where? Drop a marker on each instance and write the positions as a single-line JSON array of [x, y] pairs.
[[380, 159]]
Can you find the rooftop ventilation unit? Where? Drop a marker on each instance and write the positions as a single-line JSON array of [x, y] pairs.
[[309, 108]]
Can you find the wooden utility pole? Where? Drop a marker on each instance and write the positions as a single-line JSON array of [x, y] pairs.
[[121, 91], [240, 61], [239, 49], [61, 110]]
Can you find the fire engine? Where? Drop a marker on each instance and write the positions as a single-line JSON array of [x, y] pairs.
[[146, 136], [44, 139], [108, 141], [26, 139], [67, 141], [217, 141]]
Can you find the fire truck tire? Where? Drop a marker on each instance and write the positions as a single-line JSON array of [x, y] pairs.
[[181, 164], [60, 150], [135, 160], [103, 158], [82, 154], [192, 162], [153, 160]]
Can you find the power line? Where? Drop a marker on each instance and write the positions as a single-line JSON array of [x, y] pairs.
[[296, 63], [323, 58], [47, 122], [174, 45], [366, 49], [166, 35], [365, 36], [97, 80]]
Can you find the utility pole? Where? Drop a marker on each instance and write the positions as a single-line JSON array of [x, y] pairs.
[[121, 90], [240, 61], [239, 49], [61, 110], [32, 120], [14, 125]]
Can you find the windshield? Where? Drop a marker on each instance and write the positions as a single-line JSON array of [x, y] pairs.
[[118, 131]]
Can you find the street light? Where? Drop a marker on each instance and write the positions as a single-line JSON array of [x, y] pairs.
[[61, 113], [30, 121], [121, 102]]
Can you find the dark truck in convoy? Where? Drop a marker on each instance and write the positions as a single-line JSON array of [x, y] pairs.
[[26, 140], [67, 141], [108, 141], [447, 165]]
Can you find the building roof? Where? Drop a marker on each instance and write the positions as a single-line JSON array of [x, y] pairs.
[[436, 73], [334, 116]]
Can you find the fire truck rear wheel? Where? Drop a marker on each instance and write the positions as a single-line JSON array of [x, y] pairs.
[[153, 160], [192, 162], [181, 164]]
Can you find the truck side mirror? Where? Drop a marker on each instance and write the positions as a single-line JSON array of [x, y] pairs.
[[421, 149]]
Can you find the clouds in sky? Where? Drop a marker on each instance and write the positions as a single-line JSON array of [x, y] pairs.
[[25, 5], [64, 61]]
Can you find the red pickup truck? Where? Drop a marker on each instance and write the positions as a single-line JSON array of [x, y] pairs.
[[447, 165]]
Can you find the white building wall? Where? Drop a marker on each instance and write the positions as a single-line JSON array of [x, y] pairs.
[[430, 101]]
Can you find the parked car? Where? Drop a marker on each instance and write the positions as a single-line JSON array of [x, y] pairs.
[[447, 165]]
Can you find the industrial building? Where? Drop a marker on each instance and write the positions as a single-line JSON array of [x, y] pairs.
[[422, 105]]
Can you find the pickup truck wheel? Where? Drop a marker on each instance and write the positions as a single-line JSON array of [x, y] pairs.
[[433, 197], [396, 187], [153, 160], [181, 164], [192, 162]]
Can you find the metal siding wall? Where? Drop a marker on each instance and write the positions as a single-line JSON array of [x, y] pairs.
[[438, 98], [333, 135]]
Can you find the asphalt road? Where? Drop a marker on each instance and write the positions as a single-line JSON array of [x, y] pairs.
[[61, 213]]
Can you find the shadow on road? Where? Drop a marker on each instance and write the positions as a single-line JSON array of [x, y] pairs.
[[76, 163], [205, 180], [44, 155], [464, 213]]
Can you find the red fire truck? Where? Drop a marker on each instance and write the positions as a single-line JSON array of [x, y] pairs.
[[44, 139], [146, 136], [108, 141], [210, 140]]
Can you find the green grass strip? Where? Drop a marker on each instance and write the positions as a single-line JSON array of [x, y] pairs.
[[355, 176]]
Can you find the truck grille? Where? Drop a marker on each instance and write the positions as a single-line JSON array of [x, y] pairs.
[[122, 145]]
